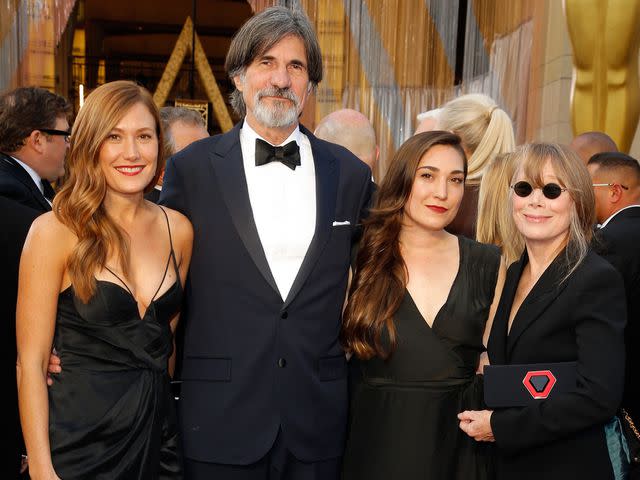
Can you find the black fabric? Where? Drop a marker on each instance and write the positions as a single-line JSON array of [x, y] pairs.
[[17, 185], [403, 413], [111, 415], [47, 190], [288, 154]]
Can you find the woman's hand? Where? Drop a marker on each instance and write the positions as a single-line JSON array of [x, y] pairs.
[[477, 424]]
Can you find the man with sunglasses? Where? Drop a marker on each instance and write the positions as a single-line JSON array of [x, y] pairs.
[[616, 183], [34, 137]]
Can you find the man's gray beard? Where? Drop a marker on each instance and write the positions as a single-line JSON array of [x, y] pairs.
[[281, 114]]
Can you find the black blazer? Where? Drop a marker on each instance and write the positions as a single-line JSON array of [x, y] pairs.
[[252, 363], [15, 220], [581, 319], [621, 247], [17, 184]]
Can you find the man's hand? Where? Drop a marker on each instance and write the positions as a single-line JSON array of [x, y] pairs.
[[477, 424], [54, 367]]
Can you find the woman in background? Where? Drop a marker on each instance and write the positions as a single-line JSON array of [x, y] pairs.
[[561, 303], [486, 131], [101, 281], [494, 225], [420, 303]]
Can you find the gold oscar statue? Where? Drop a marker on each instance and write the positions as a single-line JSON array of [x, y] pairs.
[[605, 35]]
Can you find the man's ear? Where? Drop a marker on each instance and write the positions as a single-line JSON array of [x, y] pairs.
[[36, 140], [616, 193], [238, 81]]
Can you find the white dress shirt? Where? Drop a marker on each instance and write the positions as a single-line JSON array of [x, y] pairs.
[[283, 202], [34, 176]]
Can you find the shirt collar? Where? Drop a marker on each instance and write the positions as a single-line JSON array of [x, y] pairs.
[[32, 173], [605, 223], [250, 134]]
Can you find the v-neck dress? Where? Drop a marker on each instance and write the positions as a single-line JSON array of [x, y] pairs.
[[111, 413], [403, 412]]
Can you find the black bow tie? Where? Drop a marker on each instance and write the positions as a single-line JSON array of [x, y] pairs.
[[47, 190], [288, 154]]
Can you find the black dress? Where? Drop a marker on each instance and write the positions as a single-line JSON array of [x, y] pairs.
[[403, 419], [111, 415]]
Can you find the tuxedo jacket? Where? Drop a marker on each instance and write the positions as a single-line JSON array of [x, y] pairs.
[[253, 364], [15, 220], [17, 184], [580, 319], [621, 247]]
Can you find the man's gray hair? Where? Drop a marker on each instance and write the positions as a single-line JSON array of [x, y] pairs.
[[171, 115], [260, 33]]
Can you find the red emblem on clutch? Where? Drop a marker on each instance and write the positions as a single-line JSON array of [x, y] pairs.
[[539, 383]]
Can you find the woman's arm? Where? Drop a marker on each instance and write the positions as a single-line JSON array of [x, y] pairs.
[[502, 273], [41, 272]]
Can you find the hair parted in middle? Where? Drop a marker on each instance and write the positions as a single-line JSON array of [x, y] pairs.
[[260, 33], [79, 204], [380, 275], [573, 175]]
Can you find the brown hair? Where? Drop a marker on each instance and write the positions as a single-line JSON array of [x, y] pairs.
[[26, 109], [380, 275], [79, 204]]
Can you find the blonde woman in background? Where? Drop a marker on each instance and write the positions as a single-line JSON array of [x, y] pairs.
[[494, 223], [486, 131]]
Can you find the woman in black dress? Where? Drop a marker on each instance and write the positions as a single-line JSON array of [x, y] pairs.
[[561, 303], [101, 281], [419, 306]]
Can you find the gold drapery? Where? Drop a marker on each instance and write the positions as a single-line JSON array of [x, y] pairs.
[[29, 33]]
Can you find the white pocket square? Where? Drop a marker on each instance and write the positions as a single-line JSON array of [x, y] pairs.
[[345, 222]]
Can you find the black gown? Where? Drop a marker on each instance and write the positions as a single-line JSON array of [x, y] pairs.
[[111, 413], [403, 421]]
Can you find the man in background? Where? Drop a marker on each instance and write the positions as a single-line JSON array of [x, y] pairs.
[[34, 138], [353, 131], [616, 182], [181, 127], [588, 144]]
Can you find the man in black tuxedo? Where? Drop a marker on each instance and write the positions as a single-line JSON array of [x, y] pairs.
[[34, 137], [616, 182], [15, 220], [275, 212]]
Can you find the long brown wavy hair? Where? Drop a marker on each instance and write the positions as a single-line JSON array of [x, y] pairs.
[[380, 275], [79, 204]]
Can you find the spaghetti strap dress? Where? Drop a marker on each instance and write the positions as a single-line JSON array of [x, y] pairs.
[[403, 417], [111, 413]]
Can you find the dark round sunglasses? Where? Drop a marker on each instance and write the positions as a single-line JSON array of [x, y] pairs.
[[550, 190]]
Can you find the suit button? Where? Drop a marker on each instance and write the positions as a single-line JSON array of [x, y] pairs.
[[282, 362], [284, 315]]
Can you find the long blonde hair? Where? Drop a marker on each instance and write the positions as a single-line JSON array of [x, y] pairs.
[[485, 129], [494, 224], [79, 204], [572, 175]]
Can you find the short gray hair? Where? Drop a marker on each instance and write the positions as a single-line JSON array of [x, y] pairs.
[[171, 115], [260, 33]]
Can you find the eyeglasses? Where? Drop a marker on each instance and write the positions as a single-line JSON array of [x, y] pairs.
[[610, 185], [550, 190], [53, 131]]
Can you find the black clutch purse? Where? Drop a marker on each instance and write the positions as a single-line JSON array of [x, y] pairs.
[[522, 385]]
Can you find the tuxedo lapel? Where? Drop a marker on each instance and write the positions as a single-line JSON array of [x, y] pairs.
[[14, 169], [499, 330], [229, 170], [543, 293], [326, 190]]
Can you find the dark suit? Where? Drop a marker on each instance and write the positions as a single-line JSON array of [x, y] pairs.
[[621, 246], [17, 184], [254, 365], [15, 220], [581, 319]]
